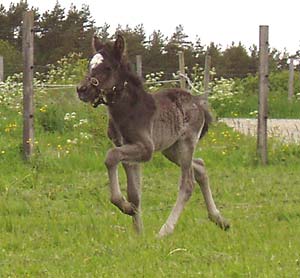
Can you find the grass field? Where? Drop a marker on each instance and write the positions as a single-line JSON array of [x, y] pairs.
[[56, 219]]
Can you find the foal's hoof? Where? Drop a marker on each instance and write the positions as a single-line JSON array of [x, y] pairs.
[[220, 221], [164, 231], [125, 206], [128, 208]]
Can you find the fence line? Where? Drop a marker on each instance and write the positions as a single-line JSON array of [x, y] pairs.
[[59, 86]]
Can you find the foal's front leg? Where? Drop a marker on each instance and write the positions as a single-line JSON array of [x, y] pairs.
[[130, 153]]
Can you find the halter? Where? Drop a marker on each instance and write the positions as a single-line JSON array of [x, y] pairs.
[[102, 94], [96, 60]]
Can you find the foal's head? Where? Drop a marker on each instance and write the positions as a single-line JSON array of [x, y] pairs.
[[104, 79]]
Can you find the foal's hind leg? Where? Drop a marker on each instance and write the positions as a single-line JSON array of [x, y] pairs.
[[202, 179], [181, 153], [134, 193]]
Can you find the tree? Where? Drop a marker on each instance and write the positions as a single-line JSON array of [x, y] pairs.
[[51, 36], [154, 53], [15, 19], [135, 39], [5, 27], [235, 62], [103, 33], [254, 59], [79, 29], [278, 60], [58, 33], [12, 58], [62, 34], [214, 50], [199, 52], [178, 42]]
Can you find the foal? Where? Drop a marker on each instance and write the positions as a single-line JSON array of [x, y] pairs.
[[171, 121]]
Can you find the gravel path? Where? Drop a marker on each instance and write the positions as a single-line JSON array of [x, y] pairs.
[[286, 130]]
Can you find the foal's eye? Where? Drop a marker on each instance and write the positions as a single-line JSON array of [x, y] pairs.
[[107, 68]]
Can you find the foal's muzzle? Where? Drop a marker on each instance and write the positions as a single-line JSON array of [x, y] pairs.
[[81, 89]]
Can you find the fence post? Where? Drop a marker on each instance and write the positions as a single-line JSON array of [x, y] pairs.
[[291, 80], [263, 94], [181, 70], [1, 69], [206, 75], [139, 68], [28, 108]]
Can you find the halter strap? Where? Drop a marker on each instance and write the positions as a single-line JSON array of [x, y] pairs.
[[102, 94]]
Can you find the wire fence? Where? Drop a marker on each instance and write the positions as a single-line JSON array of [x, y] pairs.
[[65, 86]]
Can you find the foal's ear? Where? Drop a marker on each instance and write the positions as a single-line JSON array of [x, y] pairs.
[[96, 44], [119, 47]]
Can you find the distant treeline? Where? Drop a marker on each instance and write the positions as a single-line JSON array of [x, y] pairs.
[[59, 32]]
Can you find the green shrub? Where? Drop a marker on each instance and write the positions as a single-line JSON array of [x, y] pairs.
[[249, 85], [68, 70], [51, 118]]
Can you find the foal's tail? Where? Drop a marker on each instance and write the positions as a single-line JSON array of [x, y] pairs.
[[208, 118]]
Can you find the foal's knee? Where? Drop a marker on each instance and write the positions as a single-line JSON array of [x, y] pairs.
[[112, 158], [146, 149]]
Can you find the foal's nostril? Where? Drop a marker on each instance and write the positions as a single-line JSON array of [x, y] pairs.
[[81, 88]]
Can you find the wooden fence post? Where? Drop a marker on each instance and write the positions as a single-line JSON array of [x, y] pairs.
[[1, 69], [181, 70], [291, 80], [139, 69], [263, 94], [206, 75], [28, 106]]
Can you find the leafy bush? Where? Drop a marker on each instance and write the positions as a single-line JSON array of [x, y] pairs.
[[197, 74], [249, 84], [224, 94], [239, 97], [68, 70], [153, 82], [51, 118], [11, 92]]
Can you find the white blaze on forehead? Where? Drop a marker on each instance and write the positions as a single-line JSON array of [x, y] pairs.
[[96, 60]]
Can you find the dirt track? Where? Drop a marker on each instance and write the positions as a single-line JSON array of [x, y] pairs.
[[286, 130]]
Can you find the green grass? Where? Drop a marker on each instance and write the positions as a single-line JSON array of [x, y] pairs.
[[56, 219], [243, 106]]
